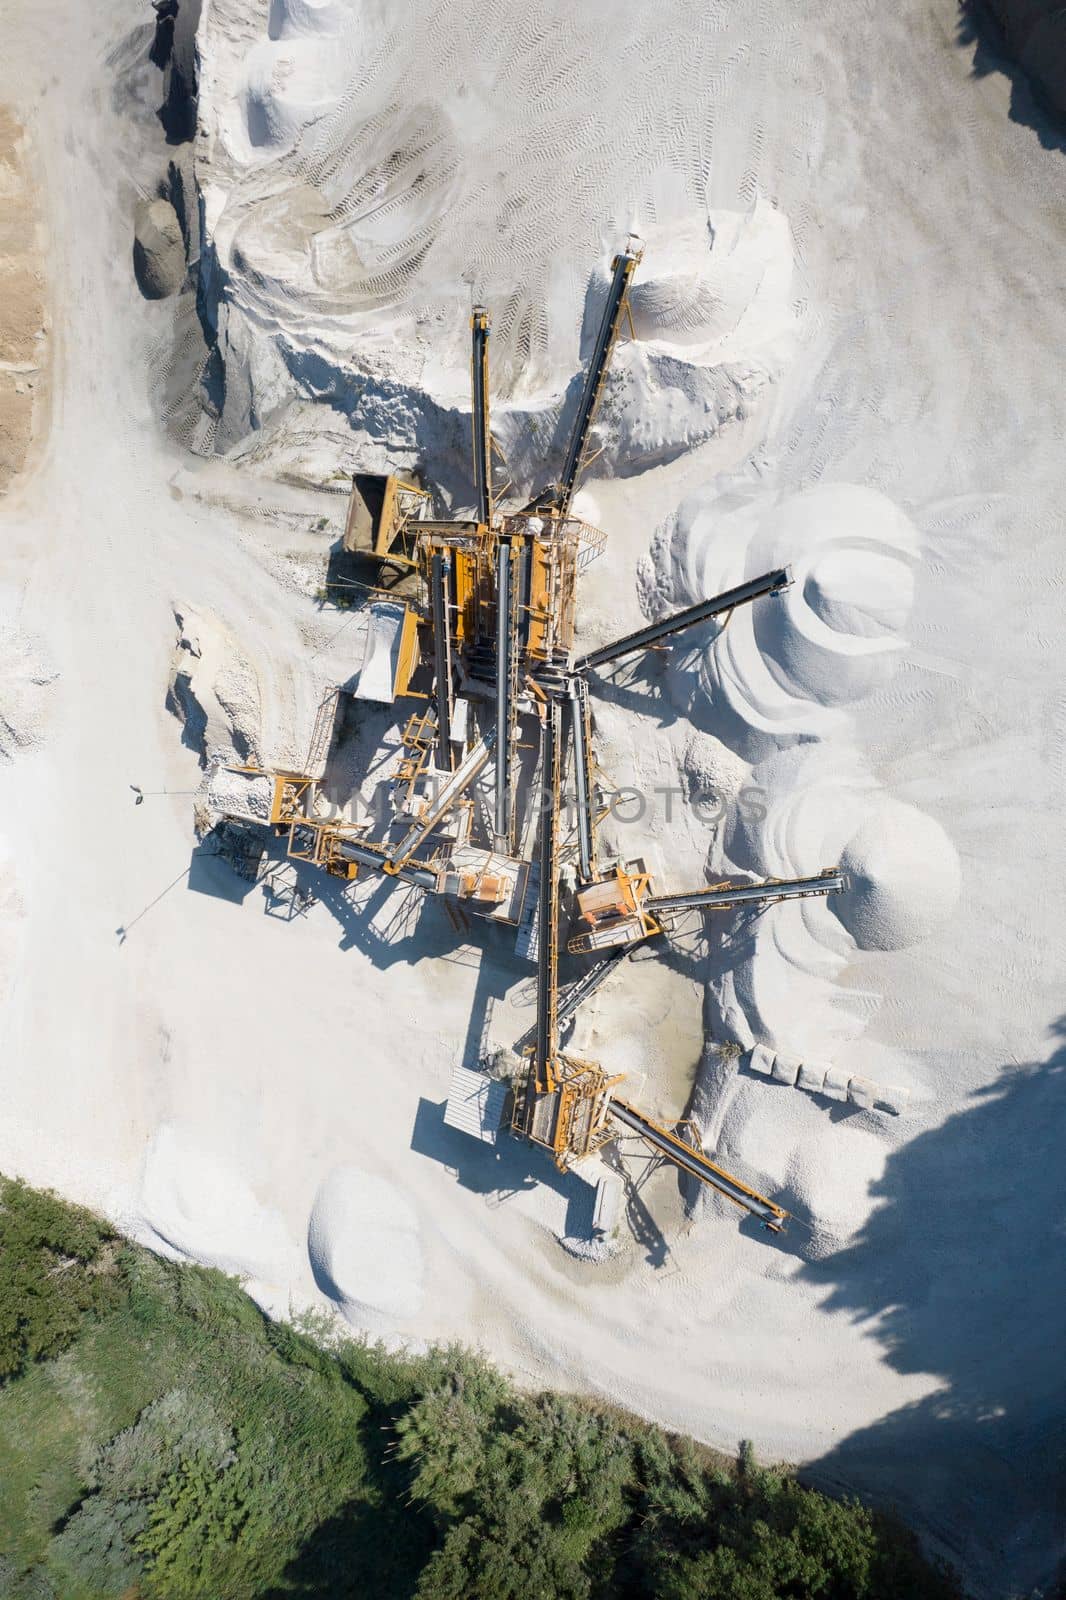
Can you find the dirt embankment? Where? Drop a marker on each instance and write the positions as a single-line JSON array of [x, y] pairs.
[[22, 314]]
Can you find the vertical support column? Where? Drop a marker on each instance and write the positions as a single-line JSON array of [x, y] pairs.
[[548, 947], [504, 708], [583, 782], [442, 657], [482, 438]]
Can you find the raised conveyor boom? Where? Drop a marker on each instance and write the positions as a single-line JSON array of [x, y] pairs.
[[547, 1045], [584, 784], [623, 268], [479, 324], [578, 992], [442, 656], [449, 795], [643, 638], [683, 1155], [719, 896]]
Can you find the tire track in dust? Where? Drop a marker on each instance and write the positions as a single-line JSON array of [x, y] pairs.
[[577, 120]]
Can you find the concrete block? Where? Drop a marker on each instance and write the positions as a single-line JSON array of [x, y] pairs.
[[862, 1092], [892, 1097], [810, 1078], [836, 1083], [761, 1060], [786, 1069]]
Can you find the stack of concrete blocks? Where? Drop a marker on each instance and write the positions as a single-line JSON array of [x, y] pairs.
[[832, 1082]]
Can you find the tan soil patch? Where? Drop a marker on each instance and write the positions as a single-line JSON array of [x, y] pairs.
[[22, 319]]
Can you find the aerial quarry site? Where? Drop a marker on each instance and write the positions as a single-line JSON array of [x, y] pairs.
[[533, 718]]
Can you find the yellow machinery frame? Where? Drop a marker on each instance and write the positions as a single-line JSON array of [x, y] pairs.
[[395, 514], [408, 654]]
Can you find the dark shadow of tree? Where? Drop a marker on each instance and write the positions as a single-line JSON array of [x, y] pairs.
[[977, 1211], [374, 1548], [1036, 70]]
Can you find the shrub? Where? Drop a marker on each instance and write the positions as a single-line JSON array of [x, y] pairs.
[[57, 1265]]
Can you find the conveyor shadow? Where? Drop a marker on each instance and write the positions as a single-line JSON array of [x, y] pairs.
[[394, 922], [634, 1170], [635, 686]]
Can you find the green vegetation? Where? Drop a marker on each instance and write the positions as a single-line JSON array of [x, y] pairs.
[[54, 1268], [160, 1439]]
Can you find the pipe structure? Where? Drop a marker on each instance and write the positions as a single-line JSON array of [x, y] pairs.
[[694, 1161], [479, 365], [770, 583], [504, 708], [623, 267], [442, 657], [450, 793], [719, 896], [547, 1046], [577, 691]]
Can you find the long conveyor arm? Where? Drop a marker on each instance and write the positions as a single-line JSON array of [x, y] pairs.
[[694, 1161], [547, 1045], [584, 783], [505, 619], [770, 583], [479, 324], [624, 266], [721, 895]]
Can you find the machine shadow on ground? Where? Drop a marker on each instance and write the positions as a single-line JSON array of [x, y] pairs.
[[211, 872], [501, 1171], [977, 1208]]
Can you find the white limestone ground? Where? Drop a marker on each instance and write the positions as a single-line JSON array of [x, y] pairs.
[[844, 321]]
